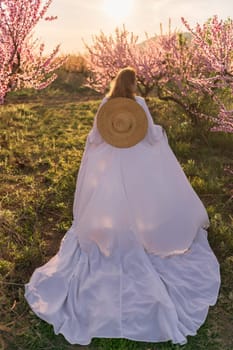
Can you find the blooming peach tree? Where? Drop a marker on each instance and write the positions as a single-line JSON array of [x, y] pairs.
[[110, 53], [22, 59], [214, 42], [174, 67], [107, 55]]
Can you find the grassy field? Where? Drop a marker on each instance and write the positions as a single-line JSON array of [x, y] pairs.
[[42, 141]]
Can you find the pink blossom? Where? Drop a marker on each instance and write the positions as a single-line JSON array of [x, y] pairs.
[[23, 63], [214, 41], [179, 68]]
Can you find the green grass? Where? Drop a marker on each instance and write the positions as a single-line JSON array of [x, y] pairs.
[[42, 143]]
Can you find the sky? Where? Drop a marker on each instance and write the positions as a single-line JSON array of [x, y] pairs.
[[80, 20]]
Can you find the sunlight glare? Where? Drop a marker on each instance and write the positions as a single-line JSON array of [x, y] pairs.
[[118, 9]]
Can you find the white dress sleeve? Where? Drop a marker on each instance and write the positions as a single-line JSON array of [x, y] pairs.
[[94, 135], [155, 132]]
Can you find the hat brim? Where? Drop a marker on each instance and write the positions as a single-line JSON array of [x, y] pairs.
[[128, 112]]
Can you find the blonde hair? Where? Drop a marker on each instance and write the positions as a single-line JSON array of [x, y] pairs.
[[123, 84]]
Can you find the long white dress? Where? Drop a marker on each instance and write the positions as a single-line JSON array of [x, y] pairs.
[[136, 262]]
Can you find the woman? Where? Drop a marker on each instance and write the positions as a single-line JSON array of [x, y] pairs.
[[136, 262]]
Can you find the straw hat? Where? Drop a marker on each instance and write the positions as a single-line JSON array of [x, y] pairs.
[[122, 122]]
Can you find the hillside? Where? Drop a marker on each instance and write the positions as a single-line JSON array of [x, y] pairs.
[[42, 141]]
